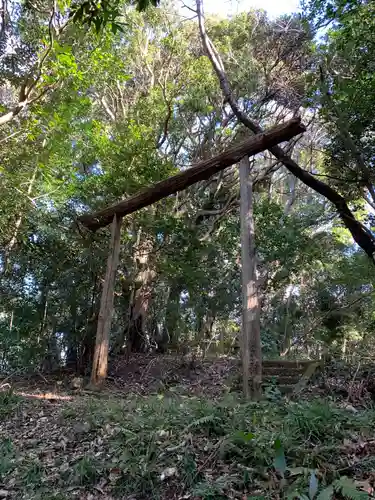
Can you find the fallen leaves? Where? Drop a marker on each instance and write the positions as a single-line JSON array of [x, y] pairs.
[[184, 445]]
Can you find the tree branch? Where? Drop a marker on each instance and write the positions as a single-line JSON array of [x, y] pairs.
[[201, 171], [360, 235], [26, 90], [340, 122]]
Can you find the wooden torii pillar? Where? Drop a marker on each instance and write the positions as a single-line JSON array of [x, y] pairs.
[[113, 215]]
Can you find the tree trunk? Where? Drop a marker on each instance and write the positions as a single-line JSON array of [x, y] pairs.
[[286, 344], [137, 341], [100, 362], [205, 331], [172, 315], [13, 240], [122, 343], [43, 308], [137, 336], [71, 360], [251, 345], [86, 344], [292, 181], [137, 332], [86, 348], [52, 361]]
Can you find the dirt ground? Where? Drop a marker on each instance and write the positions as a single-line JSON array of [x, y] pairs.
[[60, 441], [142, 374]]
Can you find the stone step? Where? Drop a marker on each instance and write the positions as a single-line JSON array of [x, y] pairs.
[[286, 389], [285, 374], [275, 371], [282, 379], [286, 363]]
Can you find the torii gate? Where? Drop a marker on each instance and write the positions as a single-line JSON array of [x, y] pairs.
[[113, 215]]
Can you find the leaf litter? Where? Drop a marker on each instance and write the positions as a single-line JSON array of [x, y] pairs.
[[157, 443]]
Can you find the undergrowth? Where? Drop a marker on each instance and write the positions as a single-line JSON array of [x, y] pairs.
[[8, 403], [150, 446]]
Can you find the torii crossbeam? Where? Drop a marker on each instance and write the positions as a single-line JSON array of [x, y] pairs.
[[201, 171], [114, 214]]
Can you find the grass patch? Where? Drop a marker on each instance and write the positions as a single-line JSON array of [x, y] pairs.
[[155, 434], [8, 403], [69, 412], [318, 421], [153, 446], [6, 457], [32, 475], [85, 472]]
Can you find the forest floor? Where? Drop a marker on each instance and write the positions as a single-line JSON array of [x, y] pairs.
[[163, 428]]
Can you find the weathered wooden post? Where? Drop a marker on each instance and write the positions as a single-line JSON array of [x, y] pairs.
[[100, 362], [250, 335]]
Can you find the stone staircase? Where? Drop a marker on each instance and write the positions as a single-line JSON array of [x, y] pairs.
[[288, 376]]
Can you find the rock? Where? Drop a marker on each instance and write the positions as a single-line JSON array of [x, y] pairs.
[[76, 383], [162, 433], [167, 473], [81, 428]]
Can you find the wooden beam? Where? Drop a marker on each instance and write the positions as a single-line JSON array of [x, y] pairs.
[[201, 171]]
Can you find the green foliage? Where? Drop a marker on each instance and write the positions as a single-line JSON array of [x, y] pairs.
[[208, 423], [318, 422], [343, 93], [85, 471], [118, 110], [103, 13], [113, 111], [6, 457], [212, 490], [279, 462], [9, 402], [137, 441], [32, 474], [95, 13], [347, 488], [343, 485]]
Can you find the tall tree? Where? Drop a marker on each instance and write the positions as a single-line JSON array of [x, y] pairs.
[[361, 235]]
